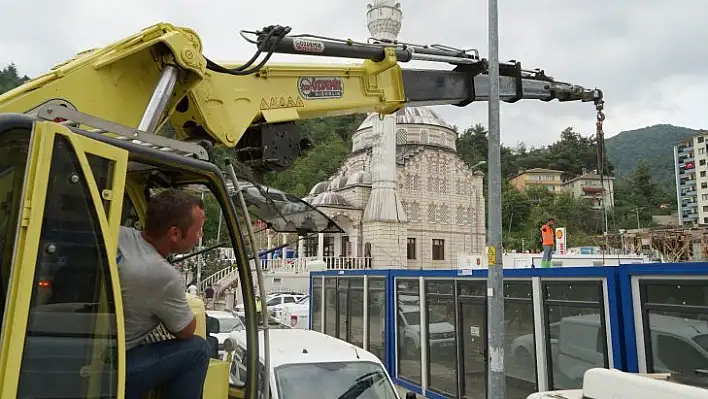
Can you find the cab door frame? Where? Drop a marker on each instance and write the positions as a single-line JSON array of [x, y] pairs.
[[26, 246]]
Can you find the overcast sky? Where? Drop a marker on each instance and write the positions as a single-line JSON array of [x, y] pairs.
[[646, 55]]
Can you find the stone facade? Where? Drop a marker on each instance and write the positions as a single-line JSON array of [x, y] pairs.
[[440, 195]]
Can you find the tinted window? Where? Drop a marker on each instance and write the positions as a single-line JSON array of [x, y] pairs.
[[675, 323], [576, 338], [442, 356], [13, 157], [678, 355], [408, 333], [71, 334], [317, 303]]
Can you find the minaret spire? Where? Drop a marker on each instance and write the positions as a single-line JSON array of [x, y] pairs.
[[384, 22], [384, 19], [384, 219]]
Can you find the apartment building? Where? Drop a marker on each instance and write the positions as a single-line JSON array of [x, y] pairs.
[[548, 178], [691, 169], [590, 187]]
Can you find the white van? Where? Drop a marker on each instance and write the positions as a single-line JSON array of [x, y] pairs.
[[306, 364], [578, 343], [602, 383]]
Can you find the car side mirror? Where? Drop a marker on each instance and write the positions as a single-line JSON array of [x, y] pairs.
[[212, 325], [411, 395]]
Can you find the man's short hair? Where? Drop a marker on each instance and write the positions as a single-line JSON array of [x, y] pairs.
[[551, 219], [169, 208]]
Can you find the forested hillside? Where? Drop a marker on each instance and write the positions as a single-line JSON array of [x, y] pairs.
[[653, 144], [523, 212]]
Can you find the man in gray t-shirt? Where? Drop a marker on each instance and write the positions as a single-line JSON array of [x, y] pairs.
[[154, 295]]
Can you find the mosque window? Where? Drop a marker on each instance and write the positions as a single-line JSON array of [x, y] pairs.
[[431, 212], [442, 183], [443, 217], [434, 173], [415, 212], [410, 248], [470, 215], [401, 136], [432, 183], [460, 214], [424, 136], [438, 249]]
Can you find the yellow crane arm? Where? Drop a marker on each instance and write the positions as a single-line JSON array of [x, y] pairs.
[[161, 74]]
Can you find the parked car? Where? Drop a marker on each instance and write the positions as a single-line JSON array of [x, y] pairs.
[[307, 364], [272, 300], [295, 315], [228, 322]]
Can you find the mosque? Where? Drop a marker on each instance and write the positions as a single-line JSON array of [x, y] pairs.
[[438, 199], [420, 208]]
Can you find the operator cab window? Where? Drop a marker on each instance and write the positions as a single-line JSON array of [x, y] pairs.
[[14, 145], [71, 335]]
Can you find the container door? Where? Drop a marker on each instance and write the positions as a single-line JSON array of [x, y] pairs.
[[472, 338]]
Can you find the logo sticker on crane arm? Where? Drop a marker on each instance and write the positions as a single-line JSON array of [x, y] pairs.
[[308, 46], [320, 87]]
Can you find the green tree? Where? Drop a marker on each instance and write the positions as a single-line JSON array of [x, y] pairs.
[[10, 78], [516, 206]]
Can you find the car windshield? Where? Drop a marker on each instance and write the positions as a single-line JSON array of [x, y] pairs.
[[345, 380], [303, 299], [229, 324]]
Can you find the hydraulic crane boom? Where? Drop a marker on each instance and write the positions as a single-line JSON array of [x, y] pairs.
[[162, 69]]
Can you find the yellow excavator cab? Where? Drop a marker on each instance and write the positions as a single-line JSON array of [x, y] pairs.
[[64, 195]]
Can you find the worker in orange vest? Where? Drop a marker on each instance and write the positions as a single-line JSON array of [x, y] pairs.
[[547, 240]]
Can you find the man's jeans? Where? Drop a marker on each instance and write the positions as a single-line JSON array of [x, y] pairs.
[[179, 366], [547, 252]]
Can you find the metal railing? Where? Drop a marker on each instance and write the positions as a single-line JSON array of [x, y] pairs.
[[288, 266]]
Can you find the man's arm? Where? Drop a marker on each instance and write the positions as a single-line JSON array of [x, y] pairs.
[[174, 311]]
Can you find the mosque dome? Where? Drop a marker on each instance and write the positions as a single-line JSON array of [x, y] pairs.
[[329, 198], [410, 116], [319, 188], [359, 178], [338, 182], [414, 126]]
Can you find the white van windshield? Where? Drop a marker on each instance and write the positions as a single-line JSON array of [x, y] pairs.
[[341, 380]]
